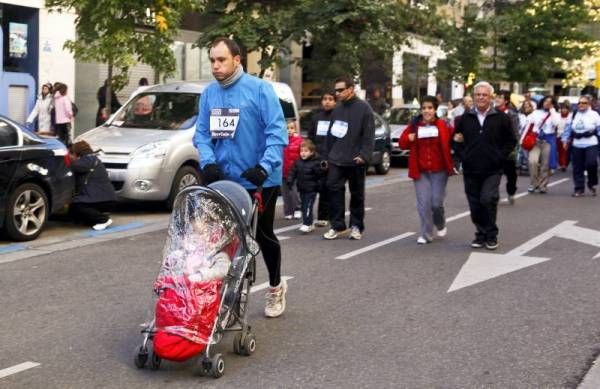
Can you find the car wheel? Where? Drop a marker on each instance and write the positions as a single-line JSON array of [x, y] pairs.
[[384, 166], [185, 177], [27, 212]]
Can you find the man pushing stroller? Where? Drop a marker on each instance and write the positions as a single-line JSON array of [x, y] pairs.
[[242, 141]]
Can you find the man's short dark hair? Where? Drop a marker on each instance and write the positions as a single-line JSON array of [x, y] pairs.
[[347, 80], [233, 47]]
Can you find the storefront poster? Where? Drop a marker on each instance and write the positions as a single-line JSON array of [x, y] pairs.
[[18, 40]]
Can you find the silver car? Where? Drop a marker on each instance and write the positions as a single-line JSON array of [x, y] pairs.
[[147, 146]]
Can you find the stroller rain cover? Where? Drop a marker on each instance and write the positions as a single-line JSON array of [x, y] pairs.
[[204, 237]]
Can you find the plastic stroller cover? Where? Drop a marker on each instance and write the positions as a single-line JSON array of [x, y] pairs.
[[206, 235]]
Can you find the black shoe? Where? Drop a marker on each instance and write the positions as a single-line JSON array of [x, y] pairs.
[[477, 243], [491, 244], [593, 191]]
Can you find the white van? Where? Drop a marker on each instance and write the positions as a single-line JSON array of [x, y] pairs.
[[147, 147]]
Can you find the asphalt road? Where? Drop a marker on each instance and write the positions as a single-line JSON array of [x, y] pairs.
[[379, 312]]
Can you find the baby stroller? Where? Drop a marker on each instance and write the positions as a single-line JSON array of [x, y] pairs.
[[204, 281]]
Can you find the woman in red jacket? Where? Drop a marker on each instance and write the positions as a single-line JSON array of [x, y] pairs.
[[291, 153], [429, 165]]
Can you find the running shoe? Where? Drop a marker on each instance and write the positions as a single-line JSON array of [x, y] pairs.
[[276, 299]]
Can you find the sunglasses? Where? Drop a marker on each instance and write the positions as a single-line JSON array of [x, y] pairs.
[[340, 90], [583, 102]]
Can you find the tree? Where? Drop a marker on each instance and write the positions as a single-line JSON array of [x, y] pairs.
[[540, 34], [343, 33], [463, 40], [119, 33], [347, 35], [263, 26]]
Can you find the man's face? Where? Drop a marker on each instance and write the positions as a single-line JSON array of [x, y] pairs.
[[328, 102], [223, 64], [342, 92], [483, 98]]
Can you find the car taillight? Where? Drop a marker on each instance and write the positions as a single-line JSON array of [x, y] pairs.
[[68, 160]]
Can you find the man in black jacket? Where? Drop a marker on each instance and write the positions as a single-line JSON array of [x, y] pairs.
[[484, 138], [349, 148]]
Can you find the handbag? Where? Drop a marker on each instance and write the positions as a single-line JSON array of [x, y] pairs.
[[530, 139]]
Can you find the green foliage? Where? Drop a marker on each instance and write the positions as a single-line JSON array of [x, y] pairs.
[[263, 26], [121, 32], [343, 33], [463, 44], [541, 33]]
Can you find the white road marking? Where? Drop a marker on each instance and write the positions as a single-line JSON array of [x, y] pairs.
[[265, 285], [558, 182], [456, 217], [592, 378], [17, 368], [481, 267], [375, 245]]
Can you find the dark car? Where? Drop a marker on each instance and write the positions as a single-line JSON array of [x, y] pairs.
[[381, 157], [35, 180]]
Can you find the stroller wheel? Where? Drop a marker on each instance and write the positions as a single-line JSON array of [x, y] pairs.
[[217, 368], [237, 343], [244, 343], [155, 361], [200, 366], [248, 344], [140, 357]]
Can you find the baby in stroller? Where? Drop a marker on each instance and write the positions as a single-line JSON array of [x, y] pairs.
[[204, 280]]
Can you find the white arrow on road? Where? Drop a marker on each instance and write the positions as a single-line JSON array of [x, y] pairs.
[[484, 266]]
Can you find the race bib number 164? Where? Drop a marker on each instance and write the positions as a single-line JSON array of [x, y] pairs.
[[224, 122]]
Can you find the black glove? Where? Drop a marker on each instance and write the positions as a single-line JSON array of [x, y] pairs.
[[256, 175], [211, 173]]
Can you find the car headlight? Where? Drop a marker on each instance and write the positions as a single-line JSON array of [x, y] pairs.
[[151, 150], [379, 132]]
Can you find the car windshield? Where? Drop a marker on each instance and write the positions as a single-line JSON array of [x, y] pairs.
[[402, 115], [159, 111]]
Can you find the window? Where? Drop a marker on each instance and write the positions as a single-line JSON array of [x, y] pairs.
[[159, 111], [8, 135]]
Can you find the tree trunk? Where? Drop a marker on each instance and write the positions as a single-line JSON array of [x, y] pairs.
[[109, 89]]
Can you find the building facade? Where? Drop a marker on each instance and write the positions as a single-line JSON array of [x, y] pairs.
[[32, 54]]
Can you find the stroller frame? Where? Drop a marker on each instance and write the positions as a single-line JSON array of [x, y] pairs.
[[228, 320]]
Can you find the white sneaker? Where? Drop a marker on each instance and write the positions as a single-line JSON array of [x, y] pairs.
[[422, 240], [102, 226], [331, 234], [321, 223], [355, 233], [306, 228], [288, 217], [511, 199], [276, 299], [441, 233], [297, 215]]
